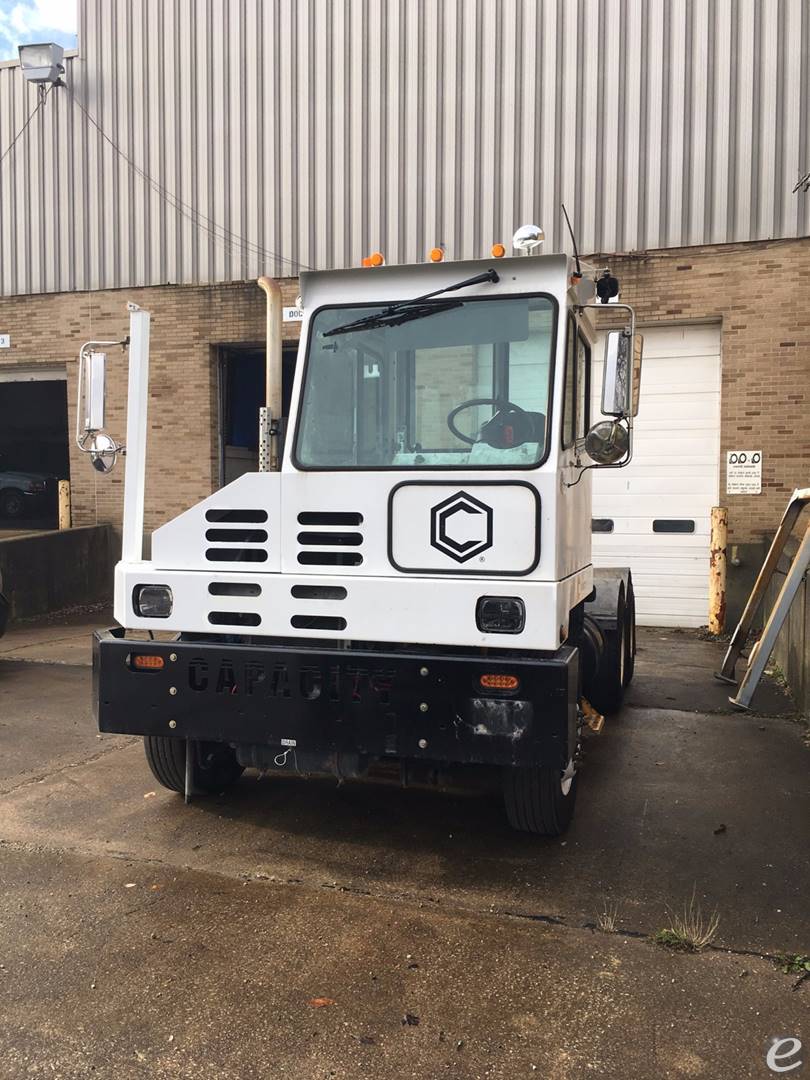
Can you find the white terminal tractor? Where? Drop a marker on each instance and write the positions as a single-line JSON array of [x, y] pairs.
[[404, 589]]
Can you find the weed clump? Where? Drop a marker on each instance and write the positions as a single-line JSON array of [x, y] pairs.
[[690, 930]]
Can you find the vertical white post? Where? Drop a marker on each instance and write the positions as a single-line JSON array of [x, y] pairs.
[[137, 398]]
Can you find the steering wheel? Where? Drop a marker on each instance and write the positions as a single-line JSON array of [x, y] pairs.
[[503, 407]]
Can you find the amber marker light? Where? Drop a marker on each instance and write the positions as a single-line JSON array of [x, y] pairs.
[[436, 254], [376, 258], [497, 251], [500, 682], [143, 662]]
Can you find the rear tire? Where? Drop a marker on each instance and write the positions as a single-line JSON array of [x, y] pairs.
[[540, 800], [630, 636], [215, 768]]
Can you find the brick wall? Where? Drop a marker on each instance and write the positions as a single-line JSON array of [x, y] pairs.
[[188, 324], [758, 290]]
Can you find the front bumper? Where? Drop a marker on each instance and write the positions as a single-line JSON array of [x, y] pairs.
[[423, 706]]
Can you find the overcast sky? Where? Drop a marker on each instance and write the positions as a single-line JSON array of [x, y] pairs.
[[24, 21]]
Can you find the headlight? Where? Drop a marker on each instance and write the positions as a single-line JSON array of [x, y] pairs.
[[152, 601], [500, 615]]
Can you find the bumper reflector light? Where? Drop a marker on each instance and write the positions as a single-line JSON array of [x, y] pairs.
[[152, 601], [145, 662], [500, 682], [500, 615]]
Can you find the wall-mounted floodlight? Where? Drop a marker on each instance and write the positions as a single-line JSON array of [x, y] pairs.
[[42, 64], [528, 238]]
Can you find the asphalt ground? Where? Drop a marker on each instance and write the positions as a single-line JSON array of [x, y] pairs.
[[142, 937]]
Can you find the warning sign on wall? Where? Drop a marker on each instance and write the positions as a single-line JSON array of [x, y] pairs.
[[744, 472]]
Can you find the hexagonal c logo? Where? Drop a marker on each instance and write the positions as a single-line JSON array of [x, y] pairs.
[[461, 526]]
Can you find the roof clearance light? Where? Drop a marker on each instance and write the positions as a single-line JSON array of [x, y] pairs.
[[528, 238], [376, 258], [497, 251], [436, 254]]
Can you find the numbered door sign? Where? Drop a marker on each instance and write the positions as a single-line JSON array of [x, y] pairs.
[[744, 472]]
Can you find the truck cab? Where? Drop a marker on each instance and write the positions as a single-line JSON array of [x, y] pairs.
[[406, 584]]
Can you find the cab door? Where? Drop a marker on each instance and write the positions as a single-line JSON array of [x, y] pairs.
[[573, 533]]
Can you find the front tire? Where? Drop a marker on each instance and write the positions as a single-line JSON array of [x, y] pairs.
[[540, 800], [215, 767]]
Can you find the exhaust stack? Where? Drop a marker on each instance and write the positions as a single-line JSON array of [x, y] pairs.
[[270, 414]]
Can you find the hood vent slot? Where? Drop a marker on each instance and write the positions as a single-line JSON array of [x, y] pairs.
[[318, 592], [330, 532], [318, 622], [238, 527], [236, 536], [234, 618], [234, 588], [338, 539], [330, 558], [236, 555], [236, 517], [337, 518]]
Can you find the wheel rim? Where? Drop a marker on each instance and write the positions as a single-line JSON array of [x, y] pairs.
[[13, 505], [567, 778]]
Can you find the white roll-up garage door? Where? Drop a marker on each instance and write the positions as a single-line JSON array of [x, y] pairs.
[[654, 515]]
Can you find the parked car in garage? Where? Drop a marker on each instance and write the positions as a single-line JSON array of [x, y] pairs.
[[22, 494]]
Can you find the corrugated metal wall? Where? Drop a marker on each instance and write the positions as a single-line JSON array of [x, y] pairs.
[[268, 134]]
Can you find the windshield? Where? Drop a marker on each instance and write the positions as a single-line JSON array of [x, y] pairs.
[[466, 384]]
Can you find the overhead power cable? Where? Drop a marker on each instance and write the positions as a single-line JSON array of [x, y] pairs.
[[24, 128], [229, 240]]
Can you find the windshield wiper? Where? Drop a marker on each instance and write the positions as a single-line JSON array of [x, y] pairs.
[[407, 310]]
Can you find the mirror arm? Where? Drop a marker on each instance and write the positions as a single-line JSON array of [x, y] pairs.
[[82, 435]]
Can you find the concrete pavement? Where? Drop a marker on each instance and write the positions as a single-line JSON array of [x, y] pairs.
[[141, 937]]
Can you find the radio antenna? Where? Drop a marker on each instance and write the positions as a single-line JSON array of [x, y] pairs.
[[573, 239]]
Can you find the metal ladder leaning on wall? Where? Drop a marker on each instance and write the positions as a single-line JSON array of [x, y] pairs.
[[760, 653]]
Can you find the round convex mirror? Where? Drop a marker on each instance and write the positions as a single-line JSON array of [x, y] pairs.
[[103, 452], [607, 442]]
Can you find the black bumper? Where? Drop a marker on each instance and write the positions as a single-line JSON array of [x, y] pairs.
[[4, 610], [427, 706]]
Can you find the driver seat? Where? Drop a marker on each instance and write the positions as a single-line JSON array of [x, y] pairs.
[[507, 429]]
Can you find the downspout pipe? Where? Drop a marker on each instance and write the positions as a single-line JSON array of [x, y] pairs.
[[272, 292]]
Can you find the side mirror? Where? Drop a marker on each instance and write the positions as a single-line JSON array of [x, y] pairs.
[[90, 436], [621, 379], [103, 452], [94, 391], [607, 442]]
